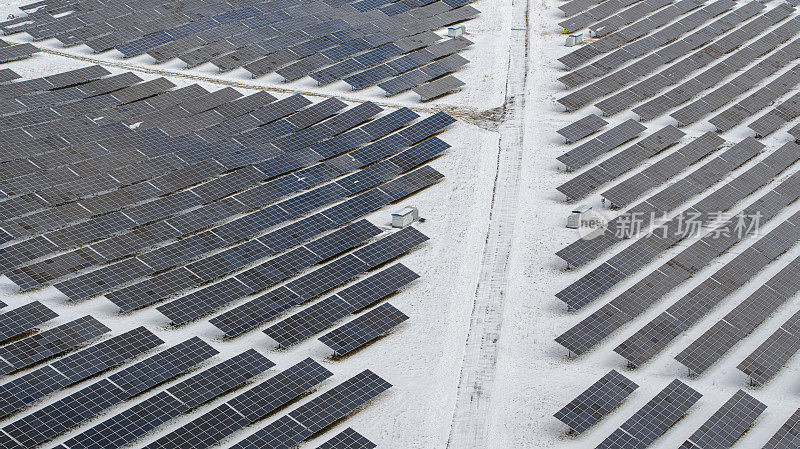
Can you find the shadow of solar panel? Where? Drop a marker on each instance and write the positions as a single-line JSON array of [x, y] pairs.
[[50, 343], [596, 402], [247, 407], [348, 439], [364, 329], [24, 319]]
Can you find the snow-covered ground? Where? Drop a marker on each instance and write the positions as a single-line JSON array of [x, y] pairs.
[[476, 365]]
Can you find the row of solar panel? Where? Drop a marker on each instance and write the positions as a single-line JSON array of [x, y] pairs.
[[131, 424], [186, 250], [638, 48], [722, 429], [687, 311], [224, 178], [292, 38], [738, 85], [626, 35], [634, 72], [9, 53], [665, 201], [655, 241], [261, 309], [621, 162], [44, 175], [703, 298]]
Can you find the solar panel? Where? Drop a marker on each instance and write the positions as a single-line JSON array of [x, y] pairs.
[[221, 378], [596, 401], [266, 307], [59, 416], [728, 423], [325, 313], [655, 417], [438, 88], [338, 402], [24, 319], [50, 343], [363, 329], [582, 128], [390, 247], [348, 439], [592, 149], [162, 366]]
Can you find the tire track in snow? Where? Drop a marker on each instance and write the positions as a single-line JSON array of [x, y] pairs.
[[471, 417]]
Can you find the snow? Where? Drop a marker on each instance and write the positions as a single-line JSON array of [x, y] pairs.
[[476, 365]]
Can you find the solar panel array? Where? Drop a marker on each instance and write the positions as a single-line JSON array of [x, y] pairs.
[[37, 384], [70, 411], [110, 250], [320, 413], [769, 357], [198, 203], [675, 210], [266, 307], [246, 408], [364, 42], [129, 425], [325, 313]]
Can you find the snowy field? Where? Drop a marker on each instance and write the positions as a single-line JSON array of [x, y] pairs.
[[477, 364]]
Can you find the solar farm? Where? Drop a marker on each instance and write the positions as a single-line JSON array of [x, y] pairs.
[[400, 224]]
